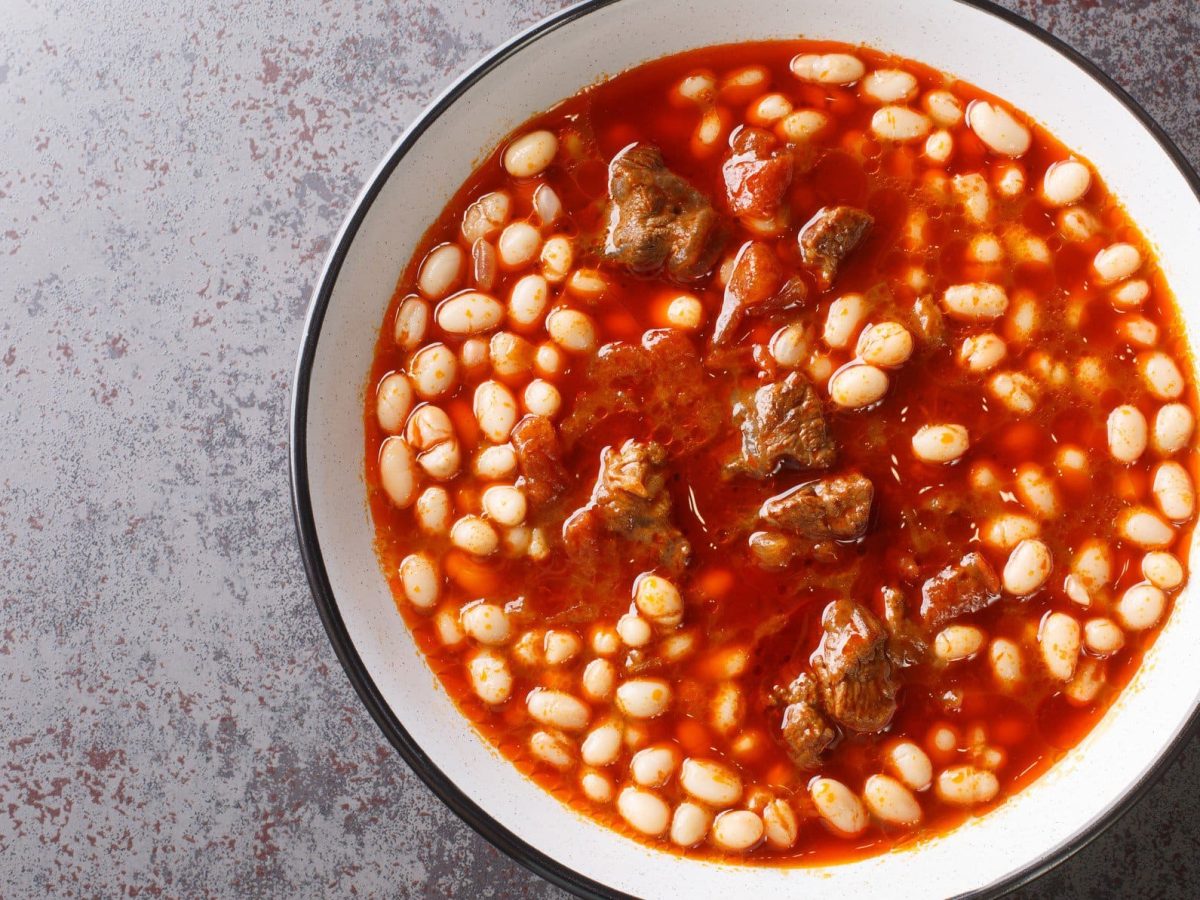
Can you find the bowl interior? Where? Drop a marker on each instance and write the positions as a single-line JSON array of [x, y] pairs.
[[408, 192]]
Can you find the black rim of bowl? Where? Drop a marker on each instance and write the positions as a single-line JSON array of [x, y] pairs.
[[421, 763]]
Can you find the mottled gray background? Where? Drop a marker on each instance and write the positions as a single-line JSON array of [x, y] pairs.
[[172, 718]]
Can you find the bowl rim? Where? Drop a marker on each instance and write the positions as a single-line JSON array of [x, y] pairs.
[[393, 729]]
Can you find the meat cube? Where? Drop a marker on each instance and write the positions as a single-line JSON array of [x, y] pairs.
[[906, 644], [805, 729], [966, 586], [835, 508], [756, 175], [856, 681], [630, 501], [829, 237], [757, 282], [783, 423], [655, 218], [543, 477]]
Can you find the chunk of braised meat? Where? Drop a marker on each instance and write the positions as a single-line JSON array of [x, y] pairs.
[[928, 320], [631, 501], [783, 422], [805, 730], [539, 460], [757, 174], [906, 644], [856, 680], [834, 508], [657, 219], [966, 586], [660, 382], [756, 283], [829, 237]]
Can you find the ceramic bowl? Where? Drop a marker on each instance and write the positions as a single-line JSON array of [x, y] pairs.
[[976, 41]]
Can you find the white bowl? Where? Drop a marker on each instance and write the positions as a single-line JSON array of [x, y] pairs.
[[980, 43]]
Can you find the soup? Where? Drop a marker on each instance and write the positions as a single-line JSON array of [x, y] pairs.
[[782, 452]]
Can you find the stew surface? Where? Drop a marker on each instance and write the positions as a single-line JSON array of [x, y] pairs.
[[782, 451]]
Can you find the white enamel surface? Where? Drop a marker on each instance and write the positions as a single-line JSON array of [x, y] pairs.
[[945, 34]]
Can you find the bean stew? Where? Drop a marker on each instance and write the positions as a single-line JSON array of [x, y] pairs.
[[782, 451]]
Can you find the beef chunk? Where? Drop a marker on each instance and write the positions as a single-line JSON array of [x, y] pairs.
[[655, 218], [906, 644], [660, 382], [543, 477], [783, 422], [757, 283], [834, 508], [829, 237], [855, 677], [630, 501], [966, 586], [757, 174], [805, 729]]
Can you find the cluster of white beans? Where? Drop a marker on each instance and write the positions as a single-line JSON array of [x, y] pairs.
[[505, 351]]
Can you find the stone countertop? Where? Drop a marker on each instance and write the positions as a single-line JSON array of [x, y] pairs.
[[174, 719]]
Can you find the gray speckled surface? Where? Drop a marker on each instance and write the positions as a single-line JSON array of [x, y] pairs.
[[173, 719]]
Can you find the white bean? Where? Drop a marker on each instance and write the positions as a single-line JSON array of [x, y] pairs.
[[996, 127], [1161, 375], [495, 463], [1006, 530], [560, 646], [727, 708], [557, 708], [490, 678], [1138, 331], [802, 125], [975, 195], [393, 402], [1027, 568], [1103, 636], [644, 698], [1141, 607], [1075, 223], [412, 323], [781, 827], [975, 302], [966, 785], [685, 312], [789, 346], [1066, 182], [530, 154], [1059, 638], [518, 244], [658, 600], [690, 824], [885, 344], [1143, 527], [504, 504], [1016, 390], [442, 461], [768, 108], [552, 749], [1162, 570], [589, 284], [598, 679], [398, 471], [558, 255], [838, 806], [433, 510], [710, 782], [889, 800], [541, 398], [857, 386], [982, 352], [549, 361], [1174, 491], [511, 354], [1116, 262], [653, 766], [449, 631], [496, 410], [843, 319], [547, 204], [889, 85], [634, 630], [955, 642], [1127, 433], [1129, 294], [943, 107], [1037, 492], [596, 786], [1005, 657], [571, 330], [487, 623], [469, 312], [527, 301], [475, 535], [434, 371], [1173, 425], [602, 745], [940, 443], [828, 68], [644, 810], [899, 123], [910, 764], [486, 216], [441, 271], [939, 146], [737, 830], [421, 580]]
